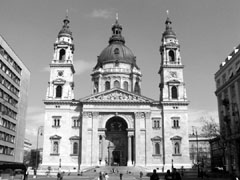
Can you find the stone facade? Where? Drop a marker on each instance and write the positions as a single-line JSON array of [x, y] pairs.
[[116, 125]]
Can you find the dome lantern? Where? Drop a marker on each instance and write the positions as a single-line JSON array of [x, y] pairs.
[[65, 31], [169, 33], [116, 33]]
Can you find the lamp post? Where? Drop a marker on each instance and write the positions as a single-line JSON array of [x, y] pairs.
[[195, 133], [40, 128]]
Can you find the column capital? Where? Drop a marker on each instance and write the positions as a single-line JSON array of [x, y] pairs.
[[139, 115]]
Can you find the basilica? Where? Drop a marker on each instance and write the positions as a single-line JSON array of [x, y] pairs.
[[116, 125]]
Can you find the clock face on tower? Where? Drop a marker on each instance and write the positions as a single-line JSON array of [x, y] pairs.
[[60, 73], [173, 74]]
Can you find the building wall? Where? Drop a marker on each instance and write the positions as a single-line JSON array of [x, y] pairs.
[[17, 76], [227, 80]]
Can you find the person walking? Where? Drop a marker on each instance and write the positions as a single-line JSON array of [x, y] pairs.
[[100, 177], [168, 175], [176, 175], [120, 175], [141, 174], [106, 176], [154, 176]]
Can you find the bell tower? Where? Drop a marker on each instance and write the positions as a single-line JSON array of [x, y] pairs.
[[174, 101], [61, 85]]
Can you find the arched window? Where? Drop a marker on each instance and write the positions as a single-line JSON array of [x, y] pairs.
[[176, 148], [55, 147], [116, 84], [75, 148], [59, 91], [171, 55], [174, 92], [137, 88], [157, 148], [125, 85], [95, 87], [62, 55], [107, 85]]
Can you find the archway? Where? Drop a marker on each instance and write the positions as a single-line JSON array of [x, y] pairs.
[[116, 134]]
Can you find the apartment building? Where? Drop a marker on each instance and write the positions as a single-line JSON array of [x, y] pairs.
[[227, 80], [14, 87]]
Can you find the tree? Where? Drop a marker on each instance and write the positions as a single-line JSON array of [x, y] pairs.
[[210, 127]]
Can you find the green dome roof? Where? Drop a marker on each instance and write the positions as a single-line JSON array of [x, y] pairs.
[[65, 31], [169, 32], [116, 51]]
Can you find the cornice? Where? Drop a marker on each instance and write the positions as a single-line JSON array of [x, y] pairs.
[[177, 103], [65, 102], [62, 65], [227, 84]]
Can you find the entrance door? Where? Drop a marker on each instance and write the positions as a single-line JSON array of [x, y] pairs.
[[116, 157], [116, 135]]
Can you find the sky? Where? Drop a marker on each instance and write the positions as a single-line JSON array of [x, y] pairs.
[[207, 30]]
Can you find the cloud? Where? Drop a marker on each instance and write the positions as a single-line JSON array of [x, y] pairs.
[[81, 66], [102, 13]]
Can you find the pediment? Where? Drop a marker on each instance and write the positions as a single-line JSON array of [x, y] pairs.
[[173, 81], [59, 81], [117, 95], [55, 137]]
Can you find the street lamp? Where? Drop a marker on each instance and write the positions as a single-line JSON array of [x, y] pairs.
[[196, 134], [40, 129]]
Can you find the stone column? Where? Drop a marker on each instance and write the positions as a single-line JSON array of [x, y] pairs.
[[129, 163], [103, 147], [100, 149]]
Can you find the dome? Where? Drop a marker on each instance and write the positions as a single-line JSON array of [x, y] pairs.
[[169, 32], [65, 31], [117, 52]]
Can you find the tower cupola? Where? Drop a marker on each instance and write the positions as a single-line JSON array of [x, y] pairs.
[[169, 33], [117, 33], [65, 31]]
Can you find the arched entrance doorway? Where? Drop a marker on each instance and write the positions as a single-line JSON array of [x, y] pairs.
[[116, 134]]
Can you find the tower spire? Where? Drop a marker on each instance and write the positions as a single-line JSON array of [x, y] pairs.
[[116, 17], [168, 31]]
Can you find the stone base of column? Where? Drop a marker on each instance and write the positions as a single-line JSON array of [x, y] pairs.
[[129, 163]]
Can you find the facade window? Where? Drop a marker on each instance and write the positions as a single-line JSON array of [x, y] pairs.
[[224, 78], [171, 55], [174, 92], [55, 144], [95, 87], [175, 122], [116, 84], [76, 123], [107, 85], [59, 91], [75, 148], [74, 145], [176, 148], [125, 85], [176, 141], [137, 88], [157, 148], [56, 121], [156, 123], [55, 147], [62, 55], [156, 142]]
